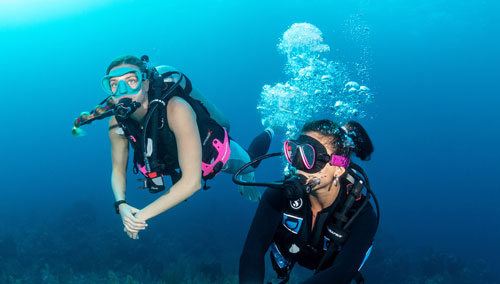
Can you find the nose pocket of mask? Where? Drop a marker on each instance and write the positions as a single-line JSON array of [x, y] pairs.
[[133, 76], [122, 88]]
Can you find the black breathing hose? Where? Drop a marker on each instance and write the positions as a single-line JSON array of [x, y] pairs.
[[277, 185], [155, 122]]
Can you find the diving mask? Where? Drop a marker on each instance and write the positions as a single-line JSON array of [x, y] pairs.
[[123, 81], [309, 155]]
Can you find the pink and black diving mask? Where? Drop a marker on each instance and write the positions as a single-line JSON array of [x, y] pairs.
[[309, 155]]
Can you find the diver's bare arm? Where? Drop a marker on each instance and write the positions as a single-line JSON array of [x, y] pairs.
[[215, 113], [182, 121], [119, 158]]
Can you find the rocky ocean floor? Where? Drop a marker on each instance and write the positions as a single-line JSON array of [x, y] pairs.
[[84, 250]]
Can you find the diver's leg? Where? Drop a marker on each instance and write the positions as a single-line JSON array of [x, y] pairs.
[[260, 145], [238, 158]]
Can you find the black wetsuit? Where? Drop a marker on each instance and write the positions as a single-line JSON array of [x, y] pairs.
[[267, 228]]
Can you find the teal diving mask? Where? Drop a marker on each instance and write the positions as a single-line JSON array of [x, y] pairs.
[[129, 84]]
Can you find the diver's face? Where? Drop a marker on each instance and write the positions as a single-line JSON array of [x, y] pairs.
[[129, 78], [132, 81], [329, 172]]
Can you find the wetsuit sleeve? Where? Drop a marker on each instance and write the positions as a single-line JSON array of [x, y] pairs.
[[260, 236], [352, 254]]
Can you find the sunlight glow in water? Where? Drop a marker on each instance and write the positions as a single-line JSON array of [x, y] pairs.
[[27, 12]]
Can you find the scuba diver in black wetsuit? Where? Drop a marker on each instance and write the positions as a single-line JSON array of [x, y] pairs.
[[173, 129], [317, 217]]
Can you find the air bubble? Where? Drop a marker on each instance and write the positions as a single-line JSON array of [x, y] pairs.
[[317, 88], [352, 84]]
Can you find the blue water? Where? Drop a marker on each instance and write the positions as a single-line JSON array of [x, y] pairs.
[[433, 68]]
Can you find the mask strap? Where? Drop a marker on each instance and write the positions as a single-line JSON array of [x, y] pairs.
[[340, 161]]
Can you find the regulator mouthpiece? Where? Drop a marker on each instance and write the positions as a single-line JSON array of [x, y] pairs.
[[125, 107], [314, 182]]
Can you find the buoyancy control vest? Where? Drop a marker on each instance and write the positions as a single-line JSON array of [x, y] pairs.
[[154, 144], [294, 237], [294, 242]]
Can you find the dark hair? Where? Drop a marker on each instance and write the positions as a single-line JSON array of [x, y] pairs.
[[344, 140], [126, 59]]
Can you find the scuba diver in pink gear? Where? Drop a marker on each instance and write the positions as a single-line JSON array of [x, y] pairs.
[[173, 129], [320, 215]]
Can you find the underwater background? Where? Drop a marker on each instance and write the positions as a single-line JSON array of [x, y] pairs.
[[432, 67]]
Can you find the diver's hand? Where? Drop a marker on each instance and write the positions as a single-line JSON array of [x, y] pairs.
[[131, 235], [133, 224]]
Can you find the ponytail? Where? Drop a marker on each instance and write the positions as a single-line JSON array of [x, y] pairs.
[[363, 146], [350, 138]]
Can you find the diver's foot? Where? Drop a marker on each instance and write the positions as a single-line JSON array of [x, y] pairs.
[[268, 123], [271, 128], [270, 131], [251, 193]]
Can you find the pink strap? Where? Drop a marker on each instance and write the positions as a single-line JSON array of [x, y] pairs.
[[224, 151], [340, 161], [142, 169]]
